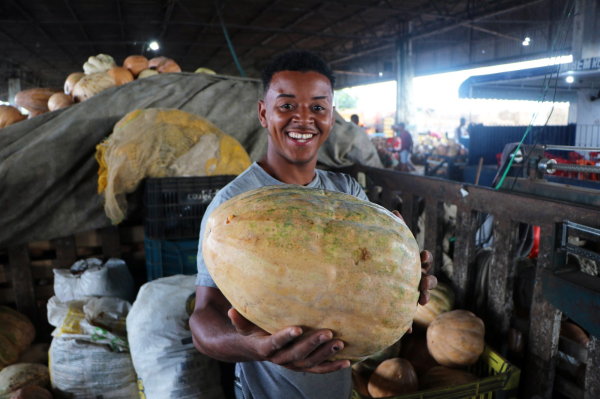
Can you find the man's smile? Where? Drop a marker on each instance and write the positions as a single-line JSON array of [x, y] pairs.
[[301, 137]]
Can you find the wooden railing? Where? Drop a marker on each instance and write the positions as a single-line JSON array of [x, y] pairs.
[[508, 209]]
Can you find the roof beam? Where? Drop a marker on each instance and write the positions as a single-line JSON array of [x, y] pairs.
[[168, 13], [120, 15], [438, 30], [74, 15], [208, 25], [43, 31], [253, 20], [36, 54]]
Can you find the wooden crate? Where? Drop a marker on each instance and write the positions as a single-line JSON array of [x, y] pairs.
[[509, 209], [27, 276]]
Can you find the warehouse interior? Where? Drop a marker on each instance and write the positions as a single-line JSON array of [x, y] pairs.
[[120, 122]]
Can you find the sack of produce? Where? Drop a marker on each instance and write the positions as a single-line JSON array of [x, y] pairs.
[[162, 143], [165, 359], [90, 277], [89, 355]]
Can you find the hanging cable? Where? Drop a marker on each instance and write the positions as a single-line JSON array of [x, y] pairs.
[[229, 41], [546, 84]]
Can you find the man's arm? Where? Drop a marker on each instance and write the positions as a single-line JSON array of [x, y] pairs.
[[222, 333]]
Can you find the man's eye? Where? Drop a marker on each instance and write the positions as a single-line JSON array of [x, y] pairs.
[[319, 108], [286, 106]]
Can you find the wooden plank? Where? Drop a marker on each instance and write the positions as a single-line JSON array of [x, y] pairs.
[[521, 208], [7, 295], [388, 199], [464, 256], [111, 242], [592, 372], [500, 282], [66, 253], [22, 283], [409, 211], [544, 328], [567, 388], [434, 233], [132, 234], [3, 277], [573, 349], [90, 238]]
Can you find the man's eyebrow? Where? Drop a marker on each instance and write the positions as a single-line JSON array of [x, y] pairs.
[[320, 98], [286, 95]]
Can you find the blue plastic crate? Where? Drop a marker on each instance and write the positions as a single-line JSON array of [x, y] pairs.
[[170, 257]]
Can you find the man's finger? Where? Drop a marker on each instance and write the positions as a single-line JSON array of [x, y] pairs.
[[428, 282], [280, 339], [327, 367], [241, 324], [320, 354], [426, 260], [301, 349], [398, 215], [424, 298]]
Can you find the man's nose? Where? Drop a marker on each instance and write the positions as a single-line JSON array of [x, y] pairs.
[[303, 116]]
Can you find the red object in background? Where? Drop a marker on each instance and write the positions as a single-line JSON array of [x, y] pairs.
[[394, 143], [536, 243]]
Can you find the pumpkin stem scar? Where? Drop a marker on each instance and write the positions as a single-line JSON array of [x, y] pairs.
[[229, 219]]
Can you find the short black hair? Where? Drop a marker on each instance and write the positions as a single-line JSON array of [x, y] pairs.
[[297, 60]]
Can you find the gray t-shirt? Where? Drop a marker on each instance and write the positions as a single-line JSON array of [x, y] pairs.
[[262, 380]]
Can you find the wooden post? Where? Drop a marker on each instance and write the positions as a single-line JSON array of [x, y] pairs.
[[592, 372], [544, 328], [409, 211], [387, 199], [66, 253], [111, 242], [22, 281], [464, 255], [500, 282], [434, 234]]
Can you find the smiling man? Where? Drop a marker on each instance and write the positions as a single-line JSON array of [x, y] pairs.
[[298, 113]]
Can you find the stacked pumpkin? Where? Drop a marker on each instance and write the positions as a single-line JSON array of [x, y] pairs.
[[444, 343], [21, 376]]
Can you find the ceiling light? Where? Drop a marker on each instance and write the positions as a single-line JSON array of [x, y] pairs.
[[570, 79], [154, 46], [527, 39], [525, 43], [380, 73]]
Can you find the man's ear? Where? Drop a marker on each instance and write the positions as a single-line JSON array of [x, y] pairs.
[[262, 114], [333, 117]]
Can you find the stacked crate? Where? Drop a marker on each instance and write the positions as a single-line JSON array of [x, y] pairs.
[[174, 208]]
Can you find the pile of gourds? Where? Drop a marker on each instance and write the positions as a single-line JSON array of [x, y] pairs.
[[23, 374], [444, 343], [100, 72]]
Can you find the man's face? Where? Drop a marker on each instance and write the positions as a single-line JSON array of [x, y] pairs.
[[298, 112]]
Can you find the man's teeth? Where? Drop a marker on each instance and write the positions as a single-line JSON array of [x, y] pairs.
[[299, 136]]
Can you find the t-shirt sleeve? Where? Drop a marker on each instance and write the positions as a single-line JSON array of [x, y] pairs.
[[204, 278], [356, 189]]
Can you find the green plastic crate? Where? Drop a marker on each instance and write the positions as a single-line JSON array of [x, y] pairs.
[[498, 380]]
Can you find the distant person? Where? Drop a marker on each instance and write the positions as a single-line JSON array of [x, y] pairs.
[[354, 119], [461, 132], [406, 146]]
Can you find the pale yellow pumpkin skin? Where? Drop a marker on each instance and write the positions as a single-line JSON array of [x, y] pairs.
[[294, 256], [441, 301], [456, 338]]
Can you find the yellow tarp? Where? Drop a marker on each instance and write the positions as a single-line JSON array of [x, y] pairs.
[[162, 143]]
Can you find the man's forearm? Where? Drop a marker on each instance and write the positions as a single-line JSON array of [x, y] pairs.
[[215, 336]]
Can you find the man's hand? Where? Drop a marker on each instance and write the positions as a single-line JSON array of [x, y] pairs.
[[428, 282], [305, 354]]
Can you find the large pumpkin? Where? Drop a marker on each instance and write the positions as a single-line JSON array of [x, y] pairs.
[[31, 392], [35, 100], [414, 349], [444, 377], [295, 256], [574, 333], [455, 338], [17, 376], [10, 115], [393, 377], [367, 366], [16, 334], [441, 301]]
